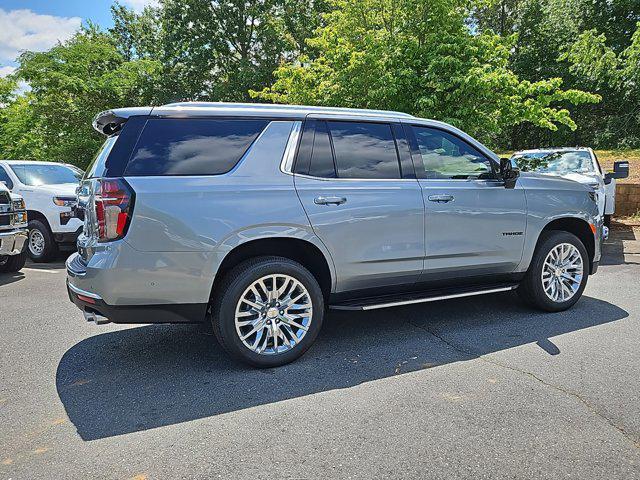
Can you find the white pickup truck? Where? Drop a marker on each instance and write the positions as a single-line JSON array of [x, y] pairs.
[[579, 164], [13, 231], [49, 190]]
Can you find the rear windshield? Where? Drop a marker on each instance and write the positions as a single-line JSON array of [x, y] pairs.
[[192, 146], [97, 166], [35, 174]]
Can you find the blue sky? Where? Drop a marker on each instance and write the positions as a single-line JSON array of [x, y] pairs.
[[39, 24]]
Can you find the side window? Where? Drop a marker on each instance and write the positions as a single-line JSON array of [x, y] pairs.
[[364, 150], [192, 146], [445, 156], [321, 156], [4, 177]]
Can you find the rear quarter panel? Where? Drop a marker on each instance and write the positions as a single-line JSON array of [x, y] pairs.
[[204, 217]]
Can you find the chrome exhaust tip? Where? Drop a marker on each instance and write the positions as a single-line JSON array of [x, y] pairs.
[[95, 318]]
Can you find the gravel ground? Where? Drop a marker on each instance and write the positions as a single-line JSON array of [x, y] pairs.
[[474, 388]]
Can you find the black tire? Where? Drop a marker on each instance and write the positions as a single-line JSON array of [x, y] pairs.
[[607, 220], [531, 289], [228, 295], [13, 263], [50, 246]]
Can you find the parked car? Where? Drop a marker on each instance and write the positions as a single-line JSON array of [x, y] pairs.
[[13, 230], [581, 165], [49, 189], [257, 217]]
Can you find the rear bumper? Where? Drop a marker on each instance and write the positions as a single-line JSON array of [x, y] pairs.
[[12, 242], [95, 308]]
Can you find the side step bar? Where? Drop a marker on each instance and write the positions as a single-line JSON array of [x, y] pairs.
[[408, 299]]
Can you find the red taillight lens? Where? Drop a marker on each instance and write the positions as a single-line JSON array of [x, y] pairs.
[[114, 206]]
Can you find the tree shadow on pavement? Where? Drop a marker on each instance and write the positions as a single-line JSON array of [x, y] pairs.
[[152, 376]]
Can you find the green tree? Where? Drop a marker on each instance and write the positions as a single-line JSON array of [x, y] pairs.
[[422, 58], [617, 77], [69, 84]]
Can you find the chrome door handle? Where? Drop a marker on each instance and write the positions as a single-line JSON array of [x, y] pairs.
[[440, 198], [329, 200]]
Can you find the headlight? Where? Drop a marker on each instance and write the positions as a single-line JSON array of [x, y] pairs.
[[19, 205], [65, 201]]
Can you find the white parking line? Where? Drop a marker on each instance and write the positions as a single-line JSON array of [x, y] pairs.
[[41, 270]]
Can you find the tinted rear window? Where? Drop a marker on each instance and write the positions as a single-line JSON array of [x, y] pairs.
[[192, 147]]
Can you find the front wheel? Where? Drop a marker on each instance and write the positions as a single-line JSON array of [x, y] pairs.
[[13, 263], [268, 311], [41, 245], [558, 272]]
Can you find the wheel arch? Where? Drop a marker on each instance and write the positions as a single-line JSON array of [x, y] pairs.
[[36, 215], [303, 251], [576, 226]]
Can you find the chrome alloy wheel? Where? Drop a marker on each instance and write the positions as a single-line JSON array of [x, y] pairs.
[[274, 314], [36, 242], [562, 272]]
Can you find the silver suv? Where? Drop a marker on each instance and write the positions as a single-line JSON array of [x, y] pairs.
[[258, 217]]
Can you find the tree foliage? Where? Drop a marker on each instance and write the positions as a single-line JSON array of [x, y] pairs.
[[422, 58], [514, 73]]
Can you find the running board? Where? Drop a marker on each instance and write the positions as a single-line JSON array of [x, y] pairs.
[[420, 297]]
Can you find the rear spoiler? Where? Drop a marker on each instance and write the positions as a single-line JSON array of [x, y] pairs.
[[111, 121]]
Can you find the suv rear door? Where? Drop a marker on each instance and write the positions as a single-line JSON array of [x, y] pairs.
[[356, 183], [474, 225]]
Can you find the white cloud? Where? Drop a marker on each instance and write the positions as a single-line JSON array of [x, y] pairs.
[[26, 30], [6, 70], [138, 5]]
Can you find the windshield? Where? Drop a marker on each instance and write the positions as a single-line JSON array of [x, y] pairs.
[[554, 162], [35, 174]]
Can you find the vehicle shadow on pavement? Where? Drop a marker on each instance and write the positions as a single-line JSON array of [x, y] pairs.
[[7, 278], [153, 376]]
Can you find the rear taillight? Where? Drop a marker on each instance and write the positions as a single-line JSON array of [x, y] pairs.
[[114, 207]]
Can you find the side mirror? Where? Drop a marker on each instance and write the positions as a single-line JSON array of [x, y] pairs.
[[620, 169], [508, 172]]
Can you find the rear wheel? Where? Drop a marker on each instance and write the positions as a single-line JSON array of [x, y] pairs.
[[13, 263], [268, 311], [40, 245], [558, 272]]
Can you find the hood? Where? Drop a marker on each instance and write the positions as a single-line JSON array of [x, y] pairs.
[[585, 178], [3, 187], [62, 189], [544, 180]]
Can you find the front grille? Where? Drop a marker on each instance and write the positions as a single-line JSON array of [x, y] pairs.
[[5, 219], [5, 198]]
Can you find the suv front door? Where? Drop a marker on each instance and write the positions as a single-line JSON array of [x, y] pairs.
[[474, 226], [356, 183]]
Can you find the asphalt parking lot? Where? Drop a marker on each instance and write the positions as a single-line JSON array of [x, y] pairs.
[[474, 388]]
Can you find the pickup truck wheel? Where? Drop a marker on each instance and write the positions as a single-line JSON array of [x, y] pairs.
[[268, 311], [40, 244], [12, 263], [558, 272]]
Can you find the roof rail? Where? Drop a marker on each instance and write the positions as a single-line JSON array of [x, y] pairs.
[[275, 106]]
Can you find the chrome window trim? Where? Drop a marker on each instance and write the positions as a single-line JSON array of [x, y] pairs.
[[325, 179], [286, 165]]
